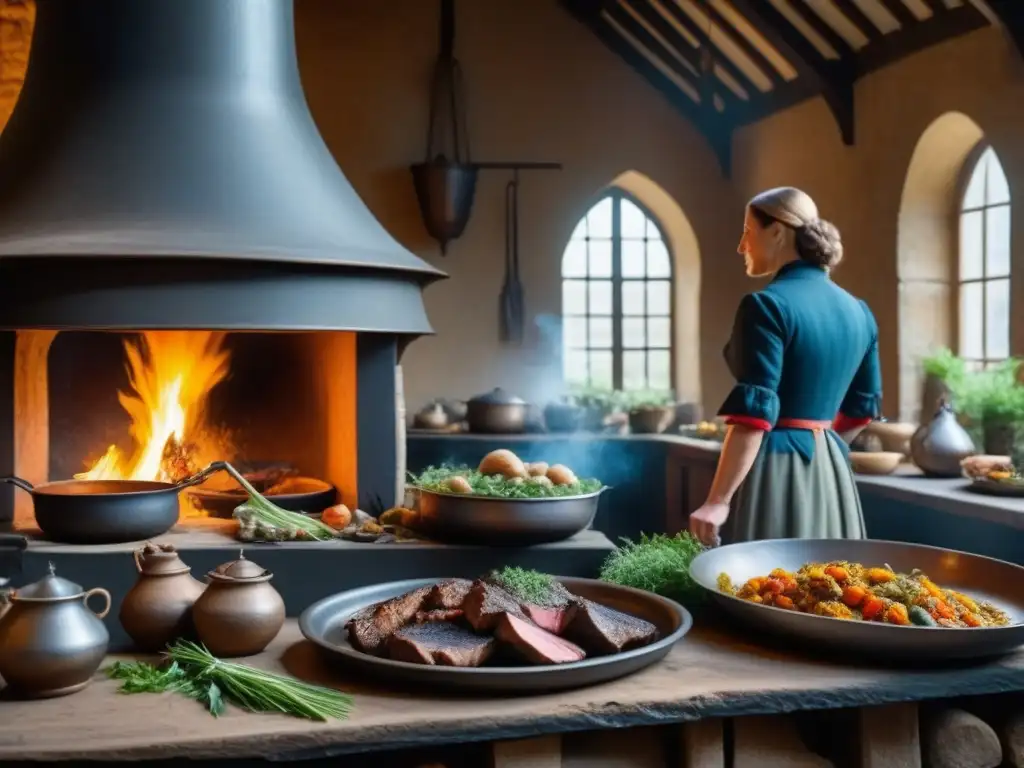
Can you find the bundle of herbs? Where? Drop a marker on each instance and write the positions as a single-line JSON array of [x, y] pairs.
[[436, 479], [659, 564], [527, 585], [261, 519], [192, 671]]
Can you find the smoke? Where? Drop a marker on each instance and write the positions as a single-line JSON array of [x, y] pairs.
[[548, 379]]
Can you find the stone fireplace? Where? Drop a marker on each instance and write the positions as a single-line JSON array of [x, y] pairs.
[[321, 402]]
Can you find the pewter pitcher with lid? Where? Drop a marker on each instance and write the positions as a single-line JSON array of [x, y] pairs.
[[51, 641]]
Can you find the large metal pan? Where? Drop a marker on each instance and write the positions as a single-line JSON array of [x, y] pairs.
[[323, 623], [107, 511], [981, 578], [459, 518]]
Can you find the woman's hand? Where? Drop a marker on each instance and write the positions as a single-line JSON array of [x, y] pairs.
[[706, 522]]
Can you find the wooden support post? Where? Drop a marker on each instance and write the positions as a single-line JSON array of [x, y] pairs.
[[702, 744], [542, 752], [772, 741], [889, 737]]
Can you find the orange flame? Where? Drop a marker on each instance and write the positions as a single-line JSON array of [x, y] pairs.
[[171, 373]]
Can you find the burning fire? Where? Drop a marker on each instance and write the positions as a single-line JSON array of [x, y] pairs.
[[171, 374]]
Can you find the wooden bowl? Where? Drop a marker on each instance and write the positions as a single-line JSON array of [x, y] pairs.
[[895, 435], [875, 462]]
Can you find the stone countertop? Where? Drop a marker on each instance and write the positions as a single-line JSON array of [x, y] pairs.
[[710, 673]]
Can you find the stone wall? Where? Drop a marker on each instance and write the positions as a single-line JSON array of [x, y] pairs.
[[16, 20]]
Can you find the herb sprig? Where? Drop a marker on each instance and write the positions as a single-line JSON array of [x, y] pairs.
[[526, 585], [659, 564], [193, 671], [436, 479], [259, 512]]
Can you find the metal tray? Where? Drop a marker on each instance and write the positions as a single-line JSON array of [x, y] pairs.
[[980, 578], [459, 518], [323, 623]]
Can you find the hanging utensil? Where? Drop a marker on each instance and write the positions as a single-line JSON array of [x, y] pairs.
[[511, 300]]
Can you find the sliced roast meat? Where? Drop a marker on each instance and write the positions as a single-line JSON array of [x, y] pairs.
[[553, 618], [369, 629], [486, 603], [439, 643], [602, 630], [449, 593], [535, 644], [437, 614]]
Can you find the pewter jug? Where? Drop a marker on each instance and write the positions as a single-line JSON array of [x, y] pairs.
[[939, 446], [51, 641], [158, 609]]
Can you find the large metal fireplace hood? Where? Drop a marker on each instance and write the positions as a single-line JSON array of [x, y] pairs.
[[162, 170]]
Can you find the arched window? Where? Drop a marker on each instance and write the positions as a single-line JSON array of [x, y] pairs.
[[984, 274], [617, 299]]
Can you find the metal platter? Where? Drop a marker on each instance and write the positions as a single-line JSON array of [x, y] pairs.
[[996, 487], [323, 623], [460, 518], [980, 578]]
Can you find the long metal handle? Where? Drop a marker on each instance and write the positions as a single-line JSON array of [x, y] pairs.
[[25, 485], [198, 477]]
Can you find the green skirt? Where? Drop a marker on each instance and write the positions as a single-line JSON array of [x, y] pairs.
[[785, 497]]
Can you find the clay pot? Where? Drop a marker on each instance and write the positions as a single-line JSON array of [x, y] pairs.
[[431, 417], [939, 446], [650, 421], [239, 613], [158, 609]]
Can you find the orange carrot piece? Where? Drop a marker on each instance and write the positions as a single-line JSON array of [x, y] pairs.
[[854, 595]]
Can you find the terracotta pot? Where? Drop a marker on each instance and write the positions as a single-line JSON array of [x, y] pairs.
[[650, 421], [999, 438], [239, 613], [158, 609]]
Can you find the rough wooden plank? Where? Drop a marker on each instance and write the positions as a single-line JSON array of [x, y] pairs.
[[771, 742], [709, 674], [31, 416], [889, 737], [542, 752]]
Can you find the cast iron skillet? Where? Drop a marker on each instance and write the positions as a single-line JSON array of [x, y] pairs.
[[107, 511]]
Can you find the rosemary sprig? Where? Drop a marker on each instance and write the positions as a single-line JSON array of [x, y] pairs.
[[193, 671]]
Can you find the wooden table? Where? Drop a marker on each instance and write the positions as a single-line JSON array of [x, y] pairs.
[[708, 675]]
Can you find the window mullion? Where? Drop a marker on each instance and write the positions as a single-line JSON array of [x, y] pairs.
[[617, 377]]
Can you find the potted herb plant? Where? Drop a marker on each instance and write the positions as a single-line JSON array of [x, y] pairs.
[[650, 412], [597, 404], [943, 374], [1001, 407]]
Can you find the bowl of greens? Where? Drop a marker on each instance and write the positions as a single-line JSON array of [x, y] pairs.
[[504, 502]]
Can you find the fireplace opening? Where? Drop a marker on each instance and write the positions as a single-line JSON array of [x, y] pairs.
[[156, 405]]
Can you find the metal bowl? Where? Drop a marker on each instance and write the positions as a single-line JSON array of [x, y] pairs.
[[980, 578], [472, 519], [323, 623]]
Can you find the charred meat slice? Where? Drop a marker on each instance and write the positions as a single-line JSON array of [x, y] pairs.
[[486, 603], [437, 614], [602, 630], [449, 594], [535, 644], [439, 643], [369, 629]]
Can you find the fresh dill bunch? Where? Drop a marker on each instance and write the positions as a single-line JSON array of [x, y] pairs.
[[436, 479], [526, 585], [659, 564]]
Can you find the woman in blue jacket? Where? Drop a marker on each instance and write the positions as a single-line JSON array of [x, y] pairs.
[[804, 353]]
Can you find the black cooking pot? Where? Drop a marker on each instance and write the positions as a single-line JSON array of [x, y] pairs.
[[107, 511]]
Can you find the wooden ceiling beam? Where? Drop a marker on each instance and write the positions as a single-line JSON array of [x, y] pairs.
[[740, 41], [950, 23], [900, 12], [701, 36], [1011, 14], [832, 79], [718, 136], [858, 18]]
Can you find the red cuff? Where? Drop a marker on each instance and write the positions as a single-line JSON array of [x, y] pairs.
[[844, 423], [749, 421]]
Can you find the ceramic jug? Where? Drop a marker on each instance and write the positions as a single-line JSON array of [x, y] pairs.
[[158, 609], [939, 446], [240, 612], [51, 641]]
